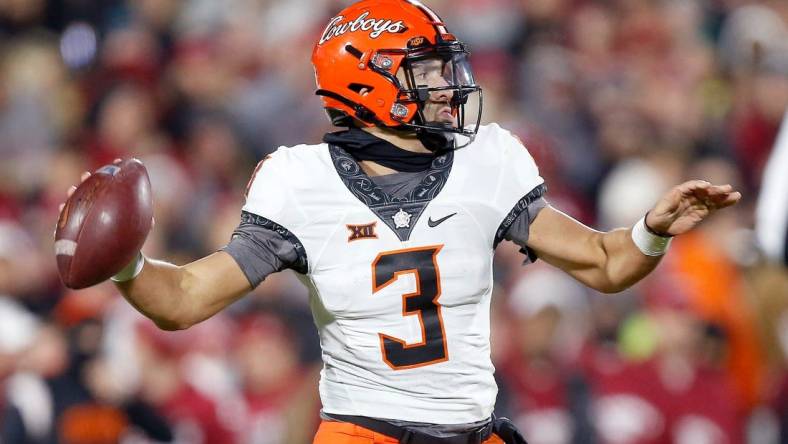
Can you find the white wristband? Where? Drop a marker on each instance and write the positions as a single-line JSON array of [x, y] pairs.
[[130, 271], [648, 243]]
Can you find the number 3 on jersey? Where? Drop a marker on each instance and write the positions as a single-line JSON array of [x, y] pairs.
[[422, 263]]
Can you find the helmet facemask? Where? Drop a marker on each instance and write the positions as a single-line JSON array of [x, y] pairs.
[[439, 80]]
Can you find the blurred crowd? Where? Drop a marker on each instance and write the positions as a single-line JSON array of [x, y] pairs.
[[616, 99]]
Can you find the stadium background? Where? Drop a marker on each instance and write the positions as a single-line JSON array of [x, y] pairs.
[[616, 100]]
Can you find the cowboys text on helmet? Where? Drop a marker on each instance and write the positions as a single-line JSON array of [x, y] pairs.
[[375, 27]]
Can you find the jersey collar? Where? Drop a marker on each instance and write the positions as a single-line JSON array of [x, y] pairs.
[[400, 214]]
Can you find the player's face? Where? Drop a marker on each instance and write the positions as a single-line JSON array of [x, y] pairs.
[[433, 73]]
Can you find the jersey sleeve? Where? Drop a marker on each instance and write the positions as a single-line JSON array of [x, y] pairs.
[[260, 251], [270, 206], [519, 231], [520, 182]]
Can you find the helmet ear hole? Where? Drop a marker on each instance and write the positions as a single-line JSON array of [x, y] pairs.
[[360, 88]]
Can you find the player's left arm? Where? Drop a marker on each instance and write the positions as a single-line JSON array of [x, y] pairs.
[[611, 261]]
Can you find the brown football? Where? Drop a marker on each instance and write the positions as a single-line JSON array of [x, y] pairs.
[[103, 224]]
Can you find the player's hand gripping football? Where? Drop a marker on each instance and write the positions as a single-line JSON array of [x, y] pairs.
[[103, 223], [686, 205]]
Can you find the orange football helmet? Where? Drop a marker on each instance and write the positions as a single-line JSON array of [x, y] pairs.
[[359, 55]]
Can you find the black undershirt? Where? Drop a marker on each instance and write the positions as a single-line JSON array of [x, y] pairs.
[[364, 146]]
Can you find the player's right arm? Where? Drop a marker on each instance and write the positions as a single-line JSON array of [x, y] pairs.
[[177, 297]]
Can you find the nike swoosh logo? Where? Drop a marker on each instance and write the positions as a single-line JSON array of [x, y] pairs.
[[435, 223]]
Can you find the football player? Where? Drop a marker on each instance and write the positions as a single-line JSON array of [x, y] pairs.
[[392, 224], [771, 216]]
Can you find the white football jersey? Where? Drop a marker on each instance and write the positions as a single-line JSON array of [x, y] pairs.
[[400, 288]]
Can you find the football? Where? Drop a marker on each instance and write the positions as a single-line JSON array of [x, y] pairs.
[[103, 224]]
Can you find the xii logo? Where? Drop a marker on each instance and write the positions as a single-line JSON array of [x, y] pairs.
[[362, 232]]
